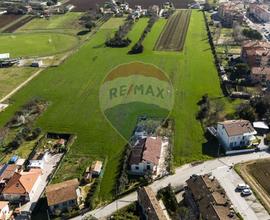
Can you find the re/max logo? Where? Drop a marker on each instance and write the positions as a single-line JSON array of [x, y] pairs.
[[125, 90]]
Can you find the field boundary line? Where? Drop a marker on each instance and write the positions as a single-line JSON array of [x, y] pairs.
[[21, 85]]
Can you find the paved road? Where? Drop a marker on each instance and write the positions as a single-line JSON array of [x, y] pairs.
[[217, 167]]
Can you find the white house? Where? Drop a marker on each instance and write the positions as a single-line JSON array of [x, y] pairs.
[[235, 133], [145, 155]]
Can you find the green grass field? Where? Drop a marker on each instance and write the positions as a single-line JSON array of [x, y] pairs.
[[73, 92], [67, 21], [36, 44], [113, 23], [12, 77]]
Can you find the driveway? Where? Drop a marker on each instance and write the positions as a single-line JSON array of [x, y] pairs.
[[247, 207], [49, 166]]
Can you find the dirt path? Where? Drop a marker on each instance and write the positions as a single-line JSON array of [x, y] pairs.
[[256, 187], [20, 86]]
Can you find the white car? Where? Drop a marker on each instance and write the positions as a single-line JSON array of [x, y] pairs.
[[246, 192], [242, 186]]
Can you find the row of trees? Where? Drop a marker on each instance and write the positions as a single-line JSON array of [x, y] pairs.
[[119, 39], [138, 47]]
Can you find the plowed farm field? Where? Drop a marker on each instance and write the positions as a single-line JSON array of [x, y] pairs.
[[173, 36], [18, 24], [7, 19]]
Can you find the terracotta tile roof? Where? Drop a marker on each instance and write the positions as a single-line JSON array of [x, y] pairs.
[[237, 127], [149, 202], [210, 197], [255, 47], [7, 171], [152, 150], [137, 152], [22, 183], [256, 71], [62, 192]]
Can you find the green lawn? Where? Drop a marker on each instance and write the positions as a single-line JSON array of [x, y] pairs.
[[36, 44], [69, 20], [73, 92], [113, 23], [10, 78]]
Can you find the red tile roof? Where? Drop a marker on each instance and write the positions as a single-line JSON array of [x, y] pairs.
[[152, 150]]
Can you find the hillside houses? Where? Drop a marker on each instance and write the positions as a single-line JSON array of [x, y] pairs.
[[230, 12]]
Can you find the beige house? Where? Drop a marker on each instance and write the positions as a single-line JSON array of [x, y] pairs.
[[63, 196]]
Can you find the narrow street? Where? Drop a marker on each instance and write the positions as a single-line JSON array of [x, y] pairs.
[[249, 208]]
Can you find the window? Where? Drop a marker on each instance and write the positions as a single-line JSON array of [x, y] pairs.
[[148, 167], [137, 167]]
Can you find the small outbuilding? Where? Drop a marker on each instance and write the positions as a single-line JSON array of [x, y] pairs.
[[261, 127]]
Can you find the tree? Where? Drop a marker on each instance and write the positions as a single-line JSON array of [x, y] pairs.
[[245, 111], [240, 70], [252, 34], [89, 25]]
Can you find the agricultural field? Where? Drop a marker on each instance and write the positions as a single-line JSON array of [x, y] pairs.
[[113, 23], [72, 90], [68, 21], [14, 26], [12, 77], [256, 174], [7, 19], [174, 33], [36, 44]]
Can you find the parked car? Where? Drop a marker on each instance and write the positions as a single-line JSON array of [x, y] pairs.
[[246, 192], [242, 186]]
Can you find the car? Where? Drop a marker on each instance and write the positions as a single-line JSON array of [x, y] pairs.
[[242, 186], [246, 192]]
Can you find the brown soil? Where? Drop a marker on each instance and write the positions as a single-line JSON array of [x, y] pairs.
[[18, 24], [7, 19]]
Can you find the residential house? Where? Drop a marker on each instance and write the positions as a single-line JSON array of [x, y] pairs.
[[230, 12], [63, 196], [7, 171], [260, 75], [22, 186], [260, 12], [96, 168], [149, 204], [5, 212], [145, 155], [208, 199], [235, 133], [256, 53]]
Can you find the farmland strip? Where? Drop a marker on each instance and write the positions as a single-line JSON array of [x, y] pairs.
[[173, 36]]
